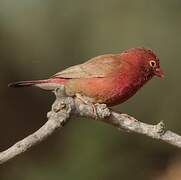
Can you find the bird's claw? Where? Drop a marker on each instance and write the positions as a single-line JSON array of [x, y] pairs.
[[102, 111], [160, 128]]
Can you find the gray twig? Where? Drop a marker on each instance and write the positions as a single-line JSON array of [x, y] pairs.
[[64, 107]]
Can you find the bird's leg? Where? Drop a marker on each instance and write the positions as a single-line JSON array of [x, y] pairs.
[[87, 101]]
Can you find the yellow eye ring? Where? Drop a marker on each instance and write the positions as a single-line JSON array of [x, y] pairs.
[[152, 63]]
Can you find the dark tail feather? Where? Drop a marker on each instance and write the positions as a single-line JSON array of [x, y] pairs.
[[25, 83]]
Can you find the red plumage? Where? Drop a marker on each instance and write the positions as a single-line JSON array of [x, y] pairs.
[[110, 79]]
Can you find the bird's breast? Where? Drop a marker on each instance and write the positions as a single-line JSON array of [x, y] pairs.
[[125, 87], [108, 90]]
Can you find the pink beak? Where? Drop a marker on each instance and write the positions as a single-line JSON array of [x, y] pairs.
[[159, 73]]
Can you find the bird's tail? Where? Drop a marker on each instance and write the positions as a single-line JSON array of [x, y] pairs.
[[26, 83], [47, 84]]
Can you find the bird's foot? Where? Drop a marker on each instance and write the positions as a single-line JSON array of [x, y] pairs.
[[87, 101], [160, 128], [102, 111]]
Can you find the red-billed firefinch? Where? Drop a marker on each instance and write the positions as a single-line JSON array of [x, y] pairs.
[[109, 79]]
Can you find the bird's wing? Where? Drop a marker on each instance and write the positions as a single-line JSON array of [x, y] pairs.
[[100, 66]]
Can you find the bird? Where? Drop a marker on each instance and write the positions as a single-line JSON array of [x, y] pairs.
[[110, 79]]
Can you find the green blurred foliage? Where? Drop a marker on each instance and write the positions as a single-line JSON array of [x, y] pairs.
[[40, 37]]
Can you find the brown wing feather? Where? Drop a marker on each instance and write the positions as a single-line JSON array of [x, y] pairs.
[[99, 66]]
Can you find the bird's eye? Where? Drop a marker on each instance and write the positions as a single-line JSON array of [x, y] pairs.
[[152, 63]]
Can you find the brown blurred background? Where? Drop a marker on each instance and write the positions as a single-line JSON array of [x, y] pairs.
[[40, 37]]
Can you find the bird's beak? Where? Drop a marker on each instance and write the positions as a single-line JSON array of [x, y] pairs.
[[159, 73]]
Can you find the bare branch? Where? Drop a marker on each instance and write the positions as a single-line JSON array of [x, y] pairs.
[[64, 107], [57, 117], [130, 124]]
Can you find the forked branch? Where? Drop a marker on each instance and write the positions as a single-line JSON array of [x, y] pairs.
[[64, 107]]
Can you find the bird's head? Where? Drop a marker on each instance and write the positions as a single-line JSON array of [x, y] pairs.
[[145, 59]]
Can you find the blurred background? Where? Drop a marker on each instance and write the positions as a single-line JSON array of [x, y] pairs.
[[40, 37]]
